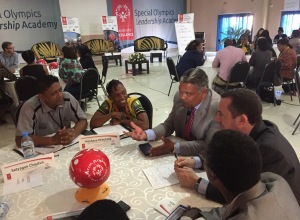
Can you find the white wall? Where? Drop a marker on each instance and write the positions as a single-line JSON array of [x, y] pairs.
[[88, 12]]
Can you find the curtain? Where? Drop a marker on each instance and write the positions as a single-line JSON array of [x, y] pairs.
[[290, 20], [236, 22]]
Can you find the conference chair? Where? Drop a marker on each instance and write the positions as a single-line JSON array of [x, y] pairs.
[[103, 75], [297, 80], [89, 86], [26, 87], [173, 72], [146, 103], [238, 74], [16, 113], [268, 81]]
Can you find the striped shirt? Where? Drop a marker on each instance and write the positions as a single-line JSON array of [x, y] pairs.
[[38, 119]]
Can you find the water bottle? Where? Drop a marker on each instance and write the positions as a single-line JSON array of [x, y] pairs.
[[4, 207], [27, 146], [278, 94]]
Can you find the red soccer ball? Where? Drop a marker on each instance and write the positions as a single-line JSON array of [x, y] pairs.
[[53, 65], [41, 61], [89, 168]]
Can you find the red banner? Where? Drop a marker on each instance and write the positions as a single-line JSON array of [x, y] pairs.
[[122, 9]]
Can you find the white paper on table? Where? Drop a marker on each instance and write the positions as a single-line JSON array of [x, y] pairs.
[[25, 182], [107, 129], [161, 176], [166, 206]]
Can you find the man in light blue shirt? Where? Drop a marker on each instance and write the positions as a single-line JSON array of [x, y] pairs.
[[9, 58]]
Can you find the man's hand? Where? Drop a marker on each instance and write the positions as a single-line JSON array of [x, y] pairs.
[[186, 176], [166, 148], [115, 121], [137, 133], [185, 162], [64, 136]]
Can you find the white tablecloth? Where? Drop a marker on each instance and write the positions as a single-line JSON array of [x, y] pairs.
[[127, 182]]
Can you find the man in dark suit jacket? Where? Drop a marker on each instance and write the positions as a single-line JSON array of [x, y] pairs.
[[241, 110], [193, 93]]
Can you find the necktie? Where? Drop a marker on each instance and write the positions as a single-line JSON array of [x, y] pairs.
[[188, 126]]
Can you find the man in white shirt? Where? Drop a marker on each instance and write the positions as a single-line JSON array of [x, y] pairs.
[[9, 58]]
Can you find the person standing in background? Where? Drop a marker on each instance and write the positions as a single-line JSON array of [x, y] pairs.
[[9, 58], [193, 57]]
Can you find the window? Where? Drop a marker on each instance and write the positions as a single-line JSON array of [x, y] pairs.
[[290, 20], [232, 26]]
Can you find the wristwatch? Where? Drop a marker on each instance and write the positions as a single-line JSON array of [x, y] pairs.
[[196, 186]]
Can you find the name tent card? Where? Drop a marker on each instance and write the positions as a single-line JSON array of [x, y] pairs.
[[99, 140], [19, 169]]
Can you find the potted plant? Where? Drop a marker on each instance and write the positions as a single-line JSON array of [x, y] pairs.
[[232, 34]]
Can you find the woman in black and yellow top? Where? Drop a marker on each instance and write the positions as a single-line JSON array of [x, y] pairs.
[[120, 109]]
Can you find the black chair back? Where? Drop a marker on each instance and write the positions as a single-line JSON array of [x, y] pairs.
[[172, 71], [146, 103], [239, 72], [26, 87], [17, 113], [270, 76], [89, 85], [297, 82], [269, 72]]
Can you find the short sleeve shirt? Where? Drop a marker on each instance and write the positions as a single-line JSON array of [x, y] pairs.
[[38, 119], [9, 61], [135, 105]]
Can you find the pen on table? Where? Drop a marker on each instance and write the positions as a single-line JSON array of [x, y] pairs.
[[164, 209], [175, 155], [44, 147]]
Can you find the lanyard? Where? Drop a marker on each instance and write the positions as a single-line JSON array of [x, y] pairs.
[[126, 109], [60, 120]]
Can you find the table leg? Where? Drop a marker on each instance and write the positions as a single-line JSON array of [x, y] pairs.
[[120, 61], [147, 66], [140, 67], [133, 69], [151, 58], [116, 60], [126, 66], [160, 58]]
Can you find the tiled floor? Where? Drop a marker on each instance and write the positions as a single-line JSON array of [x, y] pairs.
[[156, 86]]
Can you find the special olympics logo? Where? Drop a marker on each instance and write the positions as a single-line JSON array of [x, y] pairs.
[[122, 12]]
